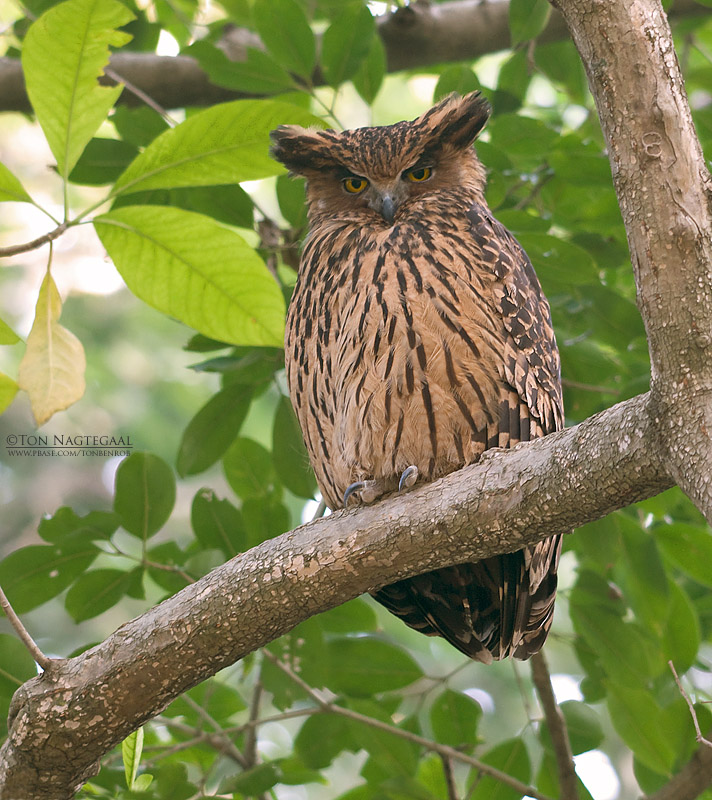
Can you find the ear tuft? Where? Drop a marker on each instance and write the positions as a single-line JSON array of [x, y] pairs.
[[301, 150], [458, 120]]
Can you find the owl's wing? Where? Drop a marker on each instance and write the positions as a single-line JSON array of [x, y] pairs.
[[523, 584], [531, 359]]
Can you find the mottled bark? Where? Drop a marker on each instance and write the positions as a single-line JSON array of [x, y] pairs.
[[415, 36], [663, 188], [62, 722]]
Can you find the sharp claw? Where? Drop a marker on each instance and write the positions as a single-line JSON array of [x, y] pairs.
[[354, 487], [408, 478]]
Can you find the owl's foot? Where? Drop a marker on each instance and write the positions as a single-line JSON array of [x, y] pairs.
[[408, 478], [367, 491]]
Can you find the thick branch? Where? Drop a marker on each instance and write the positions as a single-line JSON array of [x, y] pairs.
[[61, 723], [416, 36], [663, 189]]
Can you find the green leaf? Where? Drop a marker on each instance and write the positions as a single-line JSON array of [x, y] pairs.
[[217, 524], [454, 717], [248, 468], [290, 195], [526, 141], [321, 738], [145, 493], [138, 126], [527, 19], [356, 616], [256, 780], [213, 429], [229, 204], [366, 666], [628, 656], [102, 161], [689, 547], [190, 267], [583, 725], [392, 758], [369, 76], [65, 526], [510, 757], [171, 580], [11, 189], [259, 73], [289, 455], [284, 29], [16, 667], [637, 719], [7, 334], [33, 575], [8, 390], [265, 517], [226, 143], [646, 582], [131, 749], [552, 258], [143, 782], [457, 78], [63, 54], [97, 591], [218, 699], [681, 633], [346, 43]]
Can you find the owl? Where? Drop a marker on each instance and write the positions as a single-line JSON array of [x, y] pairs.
[[418, 337]]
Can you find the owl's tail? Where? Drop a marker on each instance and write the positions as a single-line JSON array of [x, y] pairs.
[[501, 606]]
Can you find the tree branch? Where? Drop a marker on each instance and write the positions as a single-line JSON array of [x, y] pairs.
[[691, 781], [557, 728], [61, 723], [418, 35], [663, 189]]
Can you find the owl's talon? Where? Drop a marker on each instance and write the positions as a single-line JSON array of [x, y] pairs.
[[354, 487], [408, 478], [368, 491]]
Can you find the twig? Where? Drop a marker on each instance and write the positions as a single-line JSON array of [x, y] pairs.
[[147, 99], [557, 728], [251, 732], [44, 661], [428, 744], [16, 249], [230, 748], [698, 733], [449, 778], [588, 387]]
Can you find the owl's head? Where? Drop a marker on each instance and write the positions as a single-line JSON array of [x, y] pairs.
[[380, 169]]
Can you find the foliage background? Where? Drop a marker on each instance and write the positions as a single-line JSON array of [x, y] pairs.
[[220, 455]]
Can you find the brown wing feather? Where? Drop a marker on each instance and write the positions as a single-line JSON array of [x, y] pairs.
[[503, 605]]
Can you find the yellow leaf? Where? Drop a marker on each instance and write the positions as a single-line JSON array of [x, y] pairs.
[[8, 390], [52, 369]]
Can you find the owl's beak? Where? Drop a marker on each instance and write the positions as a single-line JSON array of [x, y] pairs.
[[388, 208]]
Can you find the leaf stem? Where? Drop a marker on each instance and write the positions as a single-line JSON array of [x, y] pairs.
[[44, 661], [26, 247]]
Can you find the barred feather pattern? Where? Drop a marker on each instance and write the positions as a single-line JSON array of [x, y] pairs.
[[422, 340]]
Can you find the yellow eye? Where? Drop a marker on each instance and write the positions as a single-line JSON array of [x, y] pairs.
[[419, 174], [355, 185]]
